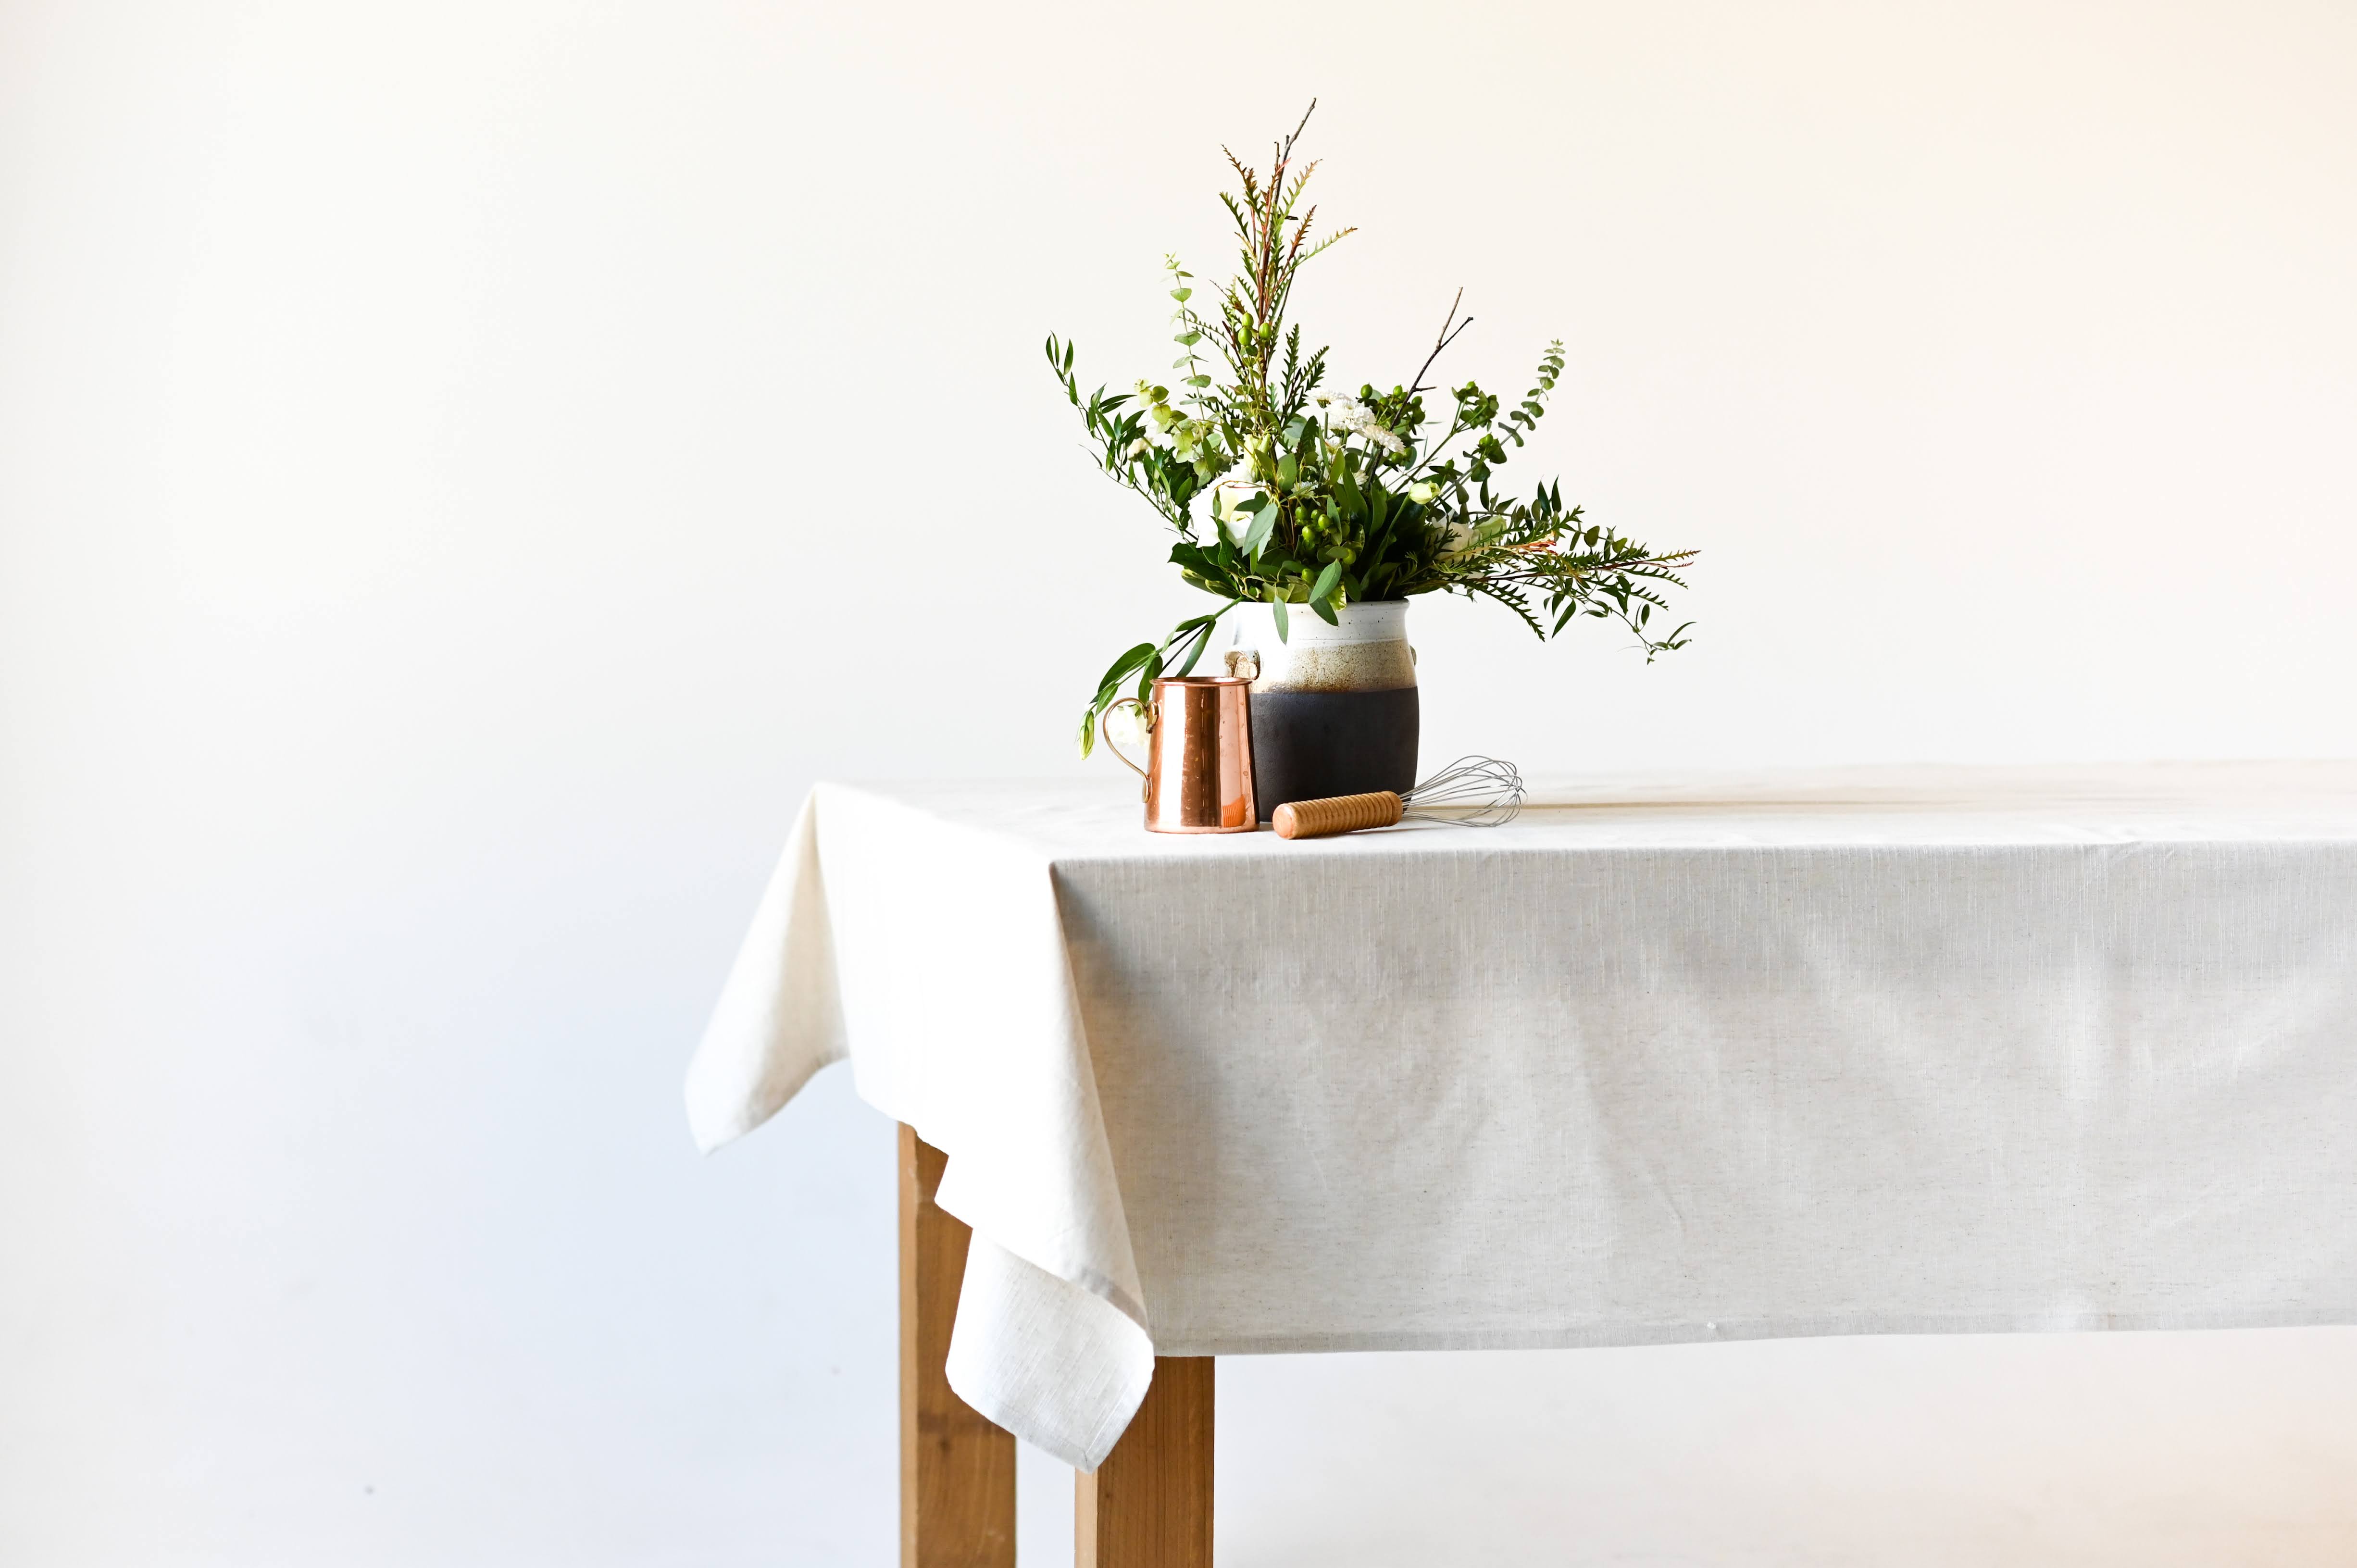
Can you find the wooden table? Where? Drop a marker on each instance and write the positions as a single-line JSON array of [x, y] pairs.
[[1703, 1059]]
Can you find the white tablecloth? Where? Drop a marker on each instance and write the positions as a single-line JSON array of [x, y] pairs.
[[1867, 1052]]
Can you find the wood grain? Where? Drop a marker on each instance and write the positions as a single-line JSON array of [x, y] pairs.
[[1338, 814], [957, 1469], [1149, 1504]]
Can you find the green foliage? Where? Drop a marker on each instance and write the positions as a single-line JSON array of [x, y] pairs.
[[1322, 499]]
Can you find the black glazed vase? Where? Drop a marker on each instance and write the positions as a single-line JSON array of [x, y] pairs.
[[1333, 707]]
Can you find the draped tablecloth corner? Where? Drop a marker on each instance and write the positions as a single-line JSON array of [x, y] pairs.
[[968, 1029], [779, 1016]]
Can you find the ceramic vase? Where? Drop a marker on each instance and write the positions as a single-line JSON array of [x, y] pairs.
[[1333, 707]]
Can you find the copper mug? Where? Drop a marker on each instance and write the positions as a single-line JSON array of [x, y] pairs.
[[1198, 772]]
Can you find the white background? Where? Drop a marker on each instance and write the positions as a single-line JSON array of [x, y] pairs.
[[466, 468]]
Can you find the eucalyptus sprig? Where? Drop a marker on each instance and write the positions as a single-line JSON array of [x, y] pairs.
[[1321, 499]]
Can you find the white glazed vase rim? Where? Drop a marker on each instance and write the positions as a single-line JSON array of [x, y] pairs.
[[1367, 620], [1366, 649]]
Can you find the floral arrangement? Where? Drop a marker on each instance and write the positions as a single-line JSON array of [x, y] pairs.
[[1321, 499]]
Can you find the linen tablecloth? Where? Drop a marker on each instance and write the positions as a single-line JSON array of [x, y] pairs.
[[1674, 1059]]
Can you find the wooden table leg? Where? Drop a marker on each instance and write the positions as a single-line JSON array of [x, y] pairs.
[[1149, 1504], [957, 1469]]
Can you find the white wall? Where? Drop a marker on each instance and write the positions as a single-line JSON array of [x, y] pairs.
[[466, 468]]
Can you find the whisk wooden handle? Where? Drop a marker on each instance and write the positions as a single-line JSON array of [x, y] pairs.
[[1337, 814]]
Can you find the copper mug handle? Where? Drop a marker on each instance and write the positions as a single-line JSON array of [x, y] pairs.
[[1104, 727]]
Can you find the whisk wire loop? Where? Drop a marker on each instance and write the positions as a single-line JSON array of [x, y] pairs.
[[1470, 792]]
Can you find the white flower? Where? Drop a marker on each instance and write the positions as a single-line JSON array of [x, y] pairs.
[[1352, 417], [1421, 492], [1124, 727]]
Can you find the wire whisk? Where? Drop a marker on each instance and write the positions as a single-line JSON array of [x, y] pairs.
[[1470, 792]]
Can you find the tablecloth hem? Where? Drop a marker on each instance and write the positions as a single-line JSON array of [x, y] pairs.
[[1608, 1336]]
